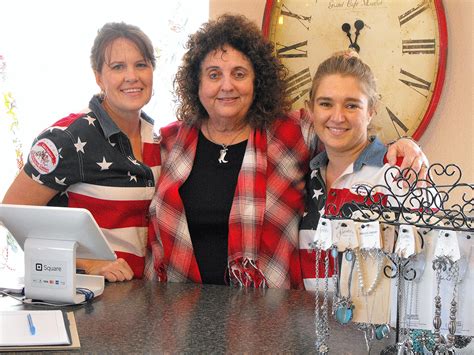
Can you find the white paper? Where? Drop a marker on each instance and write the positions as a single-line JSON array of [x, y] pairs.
[[405, 246], [323, 237], [50, 328], [369, 235], [447, 245], [344, 234]]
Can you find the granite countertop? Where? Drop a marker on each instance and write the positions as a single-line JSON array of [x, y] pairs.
[[146, 317]]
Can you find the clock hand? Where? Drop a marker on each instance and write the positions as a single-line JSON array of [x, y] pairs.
[[359, 24], [347, 29]]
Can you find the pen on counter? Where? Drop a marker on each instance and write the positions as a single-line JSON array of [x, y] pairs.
[[31, 325]]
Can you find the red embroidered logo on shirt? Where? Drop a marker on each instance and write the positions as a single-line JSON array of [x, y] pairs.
[[361, 189], [44, 156]]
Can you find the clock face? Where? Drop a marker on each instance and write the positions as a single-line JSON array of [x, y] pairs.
[[403, 41]]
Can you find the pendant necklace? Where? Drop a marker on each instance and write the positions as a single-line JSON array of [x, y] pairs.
[[442, 344], [344, 308], [372, 331], [380, 259], [225, 147]]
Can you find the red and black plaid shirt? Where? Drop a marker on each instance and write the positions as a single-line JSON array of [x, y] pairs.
[[265, 214]]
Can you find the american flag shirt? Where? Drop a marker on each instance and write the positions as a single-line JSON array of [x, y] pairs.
[[369, 170], [90, 162]]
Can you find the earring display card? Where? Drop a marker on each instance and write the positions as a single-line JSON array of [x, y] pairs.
[[406, 243], [344, 234], [323, 235], [419, 311], [465, 310], [419, 294], [369, 235]]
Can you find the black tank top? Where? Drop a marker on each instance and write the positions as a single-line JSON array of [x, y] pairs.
[[207, 196]]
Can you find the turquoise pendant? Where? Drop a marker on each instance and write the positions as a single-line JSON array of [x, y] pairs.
[[334, 253], [349, 255], [382, 331], [344, 314]]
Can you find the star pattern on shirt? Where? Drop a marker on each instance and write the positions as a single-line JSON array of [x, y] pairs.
[[104, 164], [134, 161], [90, 120], [317, 193], [37, 178], [314, 173], [127, 174], [56, 127], [79, 145], [60, 181], [321, 211], [132, 177]]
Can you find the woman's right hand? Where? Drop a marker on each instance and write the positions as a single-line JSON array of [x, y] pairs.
[[113, 271]]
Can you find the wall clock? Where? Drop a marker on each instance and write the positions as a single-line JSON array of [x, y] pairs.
[[403, 41]]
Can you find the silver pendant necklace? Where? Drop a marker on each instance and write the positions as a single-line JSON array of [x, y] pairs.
[[222, 154], [344, 309], [225, 147], [445, 345]]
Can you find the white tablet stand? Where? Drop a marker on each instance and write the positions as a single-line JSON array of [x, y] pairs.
[[51, 237]]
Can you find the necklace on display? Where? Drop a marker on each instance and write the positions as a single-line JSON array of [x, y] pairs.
[[321, 311], [453, 309], [225, 147], [451, 268], [371, 332], [344, 309], [380, 258]]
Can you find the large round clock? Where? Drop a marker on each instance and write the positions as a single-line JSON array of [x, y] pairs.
[[403, 41]]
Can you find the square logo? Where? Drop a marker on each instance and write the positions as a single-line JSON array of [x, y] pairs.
[[39, 267]]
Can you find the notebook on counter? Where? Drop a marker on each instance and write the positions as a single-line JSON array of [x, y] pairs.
[[38, 330]]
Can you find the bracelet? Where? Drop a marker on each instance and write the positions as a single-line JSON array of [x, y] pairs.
[[406, 137]]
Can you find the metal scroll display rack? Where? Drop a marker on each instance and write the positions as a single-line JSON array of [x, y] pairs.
[[406, 199]]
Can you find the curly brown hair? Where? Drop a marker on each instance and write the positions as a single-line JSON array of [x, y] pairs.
[[238, 32]]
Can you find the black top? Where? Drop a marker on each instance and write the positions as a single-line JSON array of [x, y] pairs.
[[207, 196]]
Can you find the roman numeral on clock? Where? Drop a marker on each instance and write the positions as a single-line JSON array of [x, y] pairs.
[[416, 84], [297, 50], [397, 123], [304, 20], [298, 84], [418, 46], [412, 13]]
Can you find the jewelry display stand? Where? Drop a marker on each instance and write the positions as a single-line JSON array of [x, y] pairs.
[[429, 206]]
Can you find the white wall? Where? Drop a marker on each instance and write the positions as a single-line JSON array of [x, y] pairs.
[[449, 137], [47, 60]]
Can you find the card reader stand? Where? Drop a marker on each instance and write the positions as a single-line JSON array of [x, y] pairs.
[[50, 272]]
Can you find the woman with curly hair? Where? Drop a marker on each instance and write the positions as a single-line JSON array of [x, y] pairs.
[[231, 190]]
